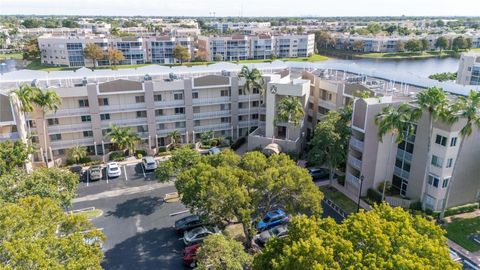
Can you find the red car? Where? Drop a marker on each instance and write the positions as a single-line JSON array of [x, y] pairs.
[[190, 255]]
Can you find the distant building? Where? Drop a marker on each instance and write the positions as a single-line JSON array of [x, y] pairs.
[[469, 69]]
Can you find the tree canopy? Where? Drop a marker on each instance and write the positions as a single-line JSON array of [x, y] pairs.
[[221, 252], [181, 53], [13, 155], [35, 233], [383, 238], [54, 183]]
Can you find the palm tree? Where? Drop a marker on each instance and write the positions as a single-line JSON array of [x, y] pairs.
[[174, 137], [253, 79], [94, 52], [77, 153], [394, 122], [114, 56], [465, 108], [115, 31], [47, 101], [207, 137], [123, 137], [290, 110], [434, 102]]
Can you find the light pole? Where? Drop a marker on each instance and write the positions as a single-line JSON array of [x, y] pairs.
[[360, 193]]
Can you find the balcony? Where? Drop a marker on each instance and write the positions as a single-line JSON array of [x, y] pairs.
[[169, 103], [165, 132], [252, 123], [404, 155], [355, 162], [170, 118], [69, 128], [123, 107], [356, 143], [401, 173], [125, 122], [69, 112], [355, 181], [211, 101], [9, 136], [65, 144], [223, 126], [214, 114], [246, 97], [327, 104]]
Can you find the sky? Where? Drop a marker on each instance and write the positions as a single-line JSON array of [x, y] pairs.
[[273, 8]]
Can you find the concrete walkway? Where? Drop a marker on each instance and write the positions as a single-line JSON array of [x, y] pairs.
[[351, 195]]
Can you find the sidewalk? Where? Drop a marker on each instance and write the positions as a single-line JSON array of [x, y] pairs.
[[351, 196], [472, 256]]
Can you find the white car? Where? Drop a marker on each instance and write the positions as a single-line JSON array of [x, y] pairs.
[[113, 169], [149, 163]]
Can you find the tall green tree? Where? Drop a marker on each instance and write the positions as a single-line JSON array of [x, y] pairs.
[[77, 152], [13, 154], [290, 110], [383, 238], [174, 138], [181, 53], [413, 45], [94, 52], [181, 159], [114, 56], [433, 101], [465, 109], [424, 44], [123, 137], [393, 122], [459, 43], [47, 101], [115, 31], [54, 183], [441, 43], [329, 145], [31, 51], [37, 234], [324, 39], [253, 79], [223, 253]]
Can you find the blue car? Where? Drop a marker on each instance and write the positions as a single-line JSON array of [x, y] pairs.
[[272, 219]]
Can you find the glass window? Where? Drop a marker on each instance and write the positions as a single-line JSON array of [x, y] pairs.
[[179, 124], [160, 126], [88, 133], [86, 118], [55, 137], [449, 163], [178, 96], [225, 93], [106, 131], [103, 101], [225, 119], [157, 97], [141, 114], [194, 95], [159, 112], [445, 182], [139, 99], [437, 161], [435, 182], [441, 140], [453, 141], [83, 103], [52, 121], [179, 110], [105, 116]]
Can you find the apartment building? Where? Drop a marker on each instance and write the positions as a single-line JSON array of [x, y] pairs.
[[262, 46], [244, 27], [469, 69], [68, 50]]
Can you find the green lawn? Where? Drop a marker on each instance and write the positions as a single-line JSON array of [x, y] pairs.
[[460, 231], [339, 199], [91, 213], [476, 49], [408, 55], [36, 65], [16, 56]]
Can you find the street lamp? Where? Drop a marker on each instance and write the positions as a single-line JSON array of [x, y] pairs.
[[360, 193]]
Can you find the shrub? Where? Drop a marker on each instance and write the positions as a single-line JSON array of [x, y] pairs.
[[162, 149], [388, 187], [84, 160], [416, 206], [341, 180], [117, 156], [461, 209], [293, 155], [238, 143], [140, 153], [374, 195]]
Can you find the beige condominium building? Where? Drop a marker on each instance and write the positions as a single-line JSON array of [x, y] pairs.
[[469, 69], [156, 100]]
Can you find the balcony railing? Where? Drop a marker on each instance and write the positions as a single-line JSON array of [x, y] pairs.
[[356, 143], [253, 97], [403, 154], [65, 144], [214, 114], [9, 136], [170, 118], [69, 112], [204, 128], [170, 103], [123, 107], [353, 180], [327, 104], [125, 122], [165, 132], [243, 124], [355, 162], [69, 128], [210, 101]]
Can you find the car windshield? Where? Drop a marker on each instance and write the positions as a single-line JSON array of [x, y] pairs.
[[266, 219], [195, 232], [151, 163], [113, 168]]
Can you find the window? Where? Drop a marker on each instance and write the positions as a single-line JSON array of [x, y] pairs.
[[310, 106], [103, 101], [255, 116], [86, 118], [449, 163], [141, 114], [82, 103], [226, 107], [160, 126], [157, 97], [179, 124], [105, 116], [142, 128], [178, 96], [196, 109], [225, 119], [441, 140], [55, 137], [139, 99], [433, 180], [194, 95], [255, 103], [437, 161], [453, 141], [52, 121], [445, 182], [256, 91], [196, 123], [159, 112], [225, 93], [106, 131], [179, 110], [88, 133]]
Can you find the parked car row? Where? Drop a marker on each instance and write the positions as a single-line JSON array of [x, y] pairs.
[[319, 174], [273, 224]]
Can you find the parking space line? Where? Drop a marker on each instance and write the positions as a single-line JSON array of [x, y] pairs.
[[133, 164], [179, 213], [125, 171]]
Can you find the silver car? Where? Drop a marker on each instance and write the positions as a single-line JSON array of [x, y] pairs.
[[197, 235], [95, 173], [149, 163]]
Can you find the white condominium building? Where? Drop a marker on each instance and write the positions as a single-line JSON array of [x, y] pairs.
[[469, 69]]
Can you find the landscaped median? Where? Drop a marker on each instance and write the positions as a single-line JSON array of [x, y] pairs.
[[340, 199], [463, 231], [15, 56]]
